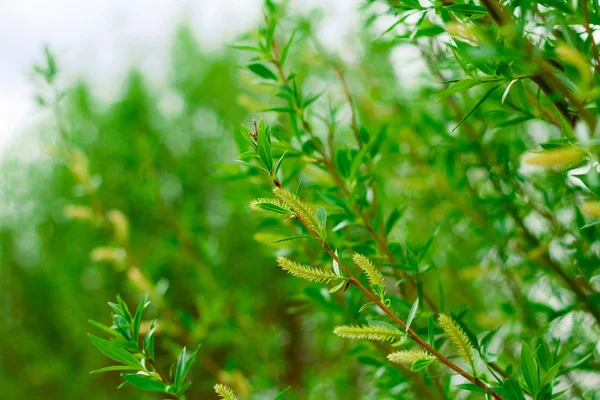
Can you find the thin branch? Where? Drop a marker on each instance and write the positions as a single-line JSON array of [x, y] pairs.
[[411, 333]]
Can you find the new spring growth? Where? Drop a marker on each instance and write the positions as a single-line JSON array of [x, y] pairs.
[[409, 357], [379, 332], [273, 206], [120, 225], [373, 274], [591, 208], [458, 338], [302, 210], [307, 272], [79, 213], [224, 392], [560, 158]]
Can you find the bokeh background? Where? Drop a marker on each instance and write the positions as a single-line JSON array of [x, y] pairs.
[[153, 96]]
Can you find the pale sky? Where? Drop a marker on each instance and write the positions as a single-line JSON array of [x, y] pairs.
[[101, 40]]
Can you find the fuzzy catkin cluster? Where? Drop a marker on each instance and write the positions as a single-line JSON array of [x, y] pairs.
[[458, 338], [302, 210], [409, 357], [381, 333], [373, 274], [224, 392], [269, 205], [559, 158], [305, 271]]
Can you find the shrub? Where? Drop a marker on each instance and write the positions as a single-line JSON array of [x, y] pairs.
[[455, 224]]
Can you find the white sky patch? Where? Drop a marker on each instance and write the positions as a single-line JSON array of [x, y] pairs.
[[101, 40], [409, 65]]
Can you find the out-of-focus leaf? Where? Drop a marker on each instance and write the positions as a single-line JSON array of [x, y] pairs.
[[262, 71]]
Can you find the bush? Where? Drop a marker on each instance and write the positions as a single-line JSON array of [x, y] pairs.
[[448, 229]]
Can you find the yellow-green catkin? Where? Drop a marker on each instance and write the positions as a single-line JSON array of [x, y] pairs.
[[559, 158], [381, 333], [409, 357], [224, 392], [305, 271], [591, 208], [373, 274], [458, 338], [302, 210], [269, 205]]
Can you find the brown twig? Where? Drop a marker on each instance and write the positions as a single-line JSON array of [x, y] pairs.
[[411, 333], [588, 29], [329, 165]]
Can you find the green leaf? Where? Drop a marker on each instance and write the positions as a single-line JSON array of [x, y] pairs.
[[336, 265], [262, 71], [122, 326], [184, 363], [258, 167], [559, 5], [551, 373], [428, 244], [247, 154], [507, 90], [179, 377], [280, 395], [529, 370], [245, 48], [466, 9], [274, 208], [114, 352], [431, 331], [342, 161], [309, 100], [149, 339], [479, 103], [115, 368], [543, 355], [286, 49], [591, 180], [322, 217], [145, 382], [103, 327], [292, 238], [420, 364], [487, 338], [365, 306], [264, 150], [393, 219], [278, 165], [118, 310], [126, 314], [137, 319], [338, 287], [471, 387], [590, 224], [246, 135], [558, 394], [512, 390], [460, 86], [279, 110], [412, 313]]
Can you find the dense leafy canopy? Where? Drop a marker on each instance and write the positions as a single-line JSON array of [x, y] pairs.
[[448, 226]]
